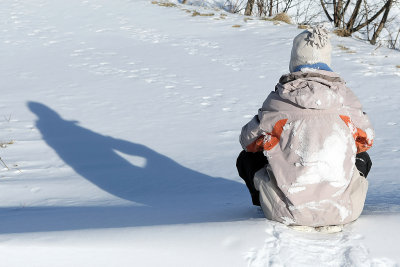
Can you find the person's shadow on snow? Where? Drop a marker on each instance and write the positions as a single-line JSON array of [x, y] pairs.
[[167, 191]]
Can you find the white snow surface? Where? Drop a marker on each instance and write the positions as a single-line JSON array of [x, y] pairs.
[[119, 128]]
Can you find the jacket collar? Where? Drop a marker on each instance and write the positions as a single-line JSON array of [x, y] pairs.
[[326, 75]]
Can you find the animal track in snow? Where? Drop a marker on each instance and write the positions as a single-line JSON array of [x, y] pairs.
[[192, 46], [106, 62]]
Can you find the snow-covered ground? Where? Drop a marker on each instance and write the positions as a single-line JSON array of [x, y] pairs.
[[123, 120]]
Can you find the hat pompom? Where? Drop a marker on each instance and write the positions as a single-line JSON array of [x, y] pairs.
[[319, 37]]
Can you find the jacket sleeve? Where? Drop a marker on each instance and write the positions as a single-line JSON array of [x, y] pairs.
[[251, 132], [363, 131], [264, 130]]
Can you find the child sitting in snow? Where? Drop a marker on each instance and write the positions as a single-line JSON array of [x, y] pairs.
[[304, 158]]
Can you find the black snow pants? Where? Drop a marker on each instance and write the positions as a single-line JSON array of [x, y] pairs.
[[248, 163]]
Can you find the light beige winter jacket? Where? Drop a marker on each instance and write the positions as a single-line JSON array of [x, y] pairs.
[[310, 128]]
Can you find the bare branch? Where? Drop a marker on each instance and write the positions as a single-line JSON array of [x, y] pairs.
[[362, 25], [249, 7], [4, 163], [354, 15], [388, 5], [326, 11]]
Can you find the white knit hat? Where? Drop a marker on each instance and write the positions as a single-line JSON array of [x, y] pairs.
[[310, 47]]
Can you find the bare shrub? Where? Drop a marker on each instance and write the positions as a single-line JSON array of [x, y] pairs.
[[282, 17], [393, 39], [342, 32], [352, 16], [346, 49], [196, 13], [165, 4], [234, 6]]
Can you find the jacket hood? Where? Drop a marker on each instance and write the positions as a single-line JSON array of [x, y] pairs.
[[312, 89]]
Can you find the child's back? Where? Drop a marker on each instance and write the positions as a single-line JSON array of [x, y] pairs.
[[311, 128]]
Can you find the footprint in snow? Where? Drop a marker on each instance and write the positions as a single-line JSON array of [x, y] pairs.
[[286, 247], [229, 133], [35, 189], [233, 101]]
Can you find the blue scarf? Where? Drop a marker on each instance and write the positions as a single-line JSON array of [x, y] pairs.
[[317, 66]]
